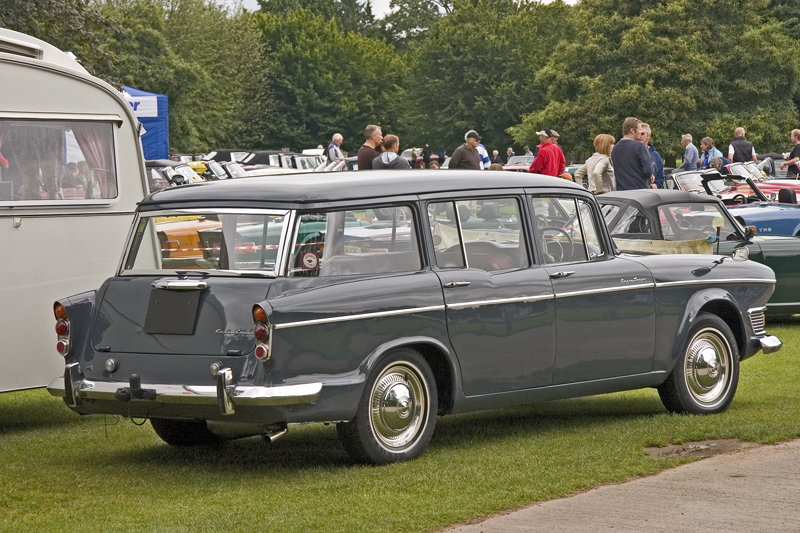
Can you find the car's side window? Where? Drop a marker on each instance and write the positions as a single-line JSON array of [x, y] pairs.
[[632, 221], [486, 234], [567, 229], [376, 240]]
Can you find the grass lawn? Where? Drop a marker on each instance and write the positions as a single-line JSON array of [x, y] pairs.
[[62, 472]]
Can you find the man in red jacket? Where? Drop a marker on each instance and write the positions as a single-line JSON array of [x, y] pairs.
[[550, 159]]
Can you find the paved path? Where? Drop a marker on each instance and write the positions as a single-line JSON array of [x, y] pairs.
[[748, 491]]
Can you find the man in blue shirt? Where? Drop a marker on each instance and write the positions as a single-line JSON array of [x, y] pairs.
[[690, 156], [655, 157]]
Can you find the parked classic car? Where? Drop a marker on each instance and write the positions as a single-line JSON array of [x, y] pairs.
[[660, 221], [519, 163], [175, 172], [377, 300], [746, 201]]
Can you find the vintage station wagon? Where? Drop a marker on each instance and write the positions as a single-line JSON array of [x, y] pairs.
[[379, 300]]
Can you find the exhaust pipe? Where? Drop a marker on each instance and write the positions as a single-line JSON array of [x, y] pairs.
[[275, 432]]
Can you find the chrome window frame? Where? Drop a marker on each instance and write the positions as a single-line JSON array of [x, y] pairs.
[[274, 272]]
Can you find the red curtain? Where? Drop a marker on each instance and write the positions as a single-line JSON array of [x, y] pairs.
[[95, 143], [3, 130]]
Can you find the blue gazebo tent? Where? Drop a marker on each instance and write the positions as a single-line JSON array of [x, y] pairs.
[[152, 110]]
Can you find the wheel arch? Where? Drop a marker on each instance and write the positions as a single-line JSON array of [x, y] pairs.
[[438, 356], [715, 301]]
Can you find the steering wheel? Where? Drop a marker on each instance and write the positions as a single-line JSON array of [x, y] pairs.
[[739, 198], [709, 230], [549, 241]]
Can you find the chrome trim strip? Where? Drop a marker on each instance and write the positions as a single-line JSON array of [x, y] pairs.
[[520, 299], [54, 214], [13, 115], [179, 284], [638, 286], [200, 394], [359, 317], [712, 282], [783, 304]]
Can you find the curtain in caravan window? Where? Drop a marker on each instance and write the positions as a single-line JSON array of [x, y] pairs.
[[3, 160], [98, 151]]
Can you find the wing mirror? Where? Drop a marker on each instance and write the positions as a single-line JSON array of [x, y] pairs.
[[749, 233]]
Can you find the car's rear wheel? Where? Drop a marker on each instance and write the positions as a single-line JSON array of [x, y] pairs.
[[184, 432], [706, 375], [396, 414]]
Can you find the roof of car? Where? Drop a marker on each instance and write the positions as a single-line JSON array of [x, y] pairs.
[[653, 197], [312, 188]]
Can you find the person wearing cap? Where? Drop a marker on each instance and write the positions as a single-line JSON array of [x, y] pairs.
[[550, 159], [466, 156]]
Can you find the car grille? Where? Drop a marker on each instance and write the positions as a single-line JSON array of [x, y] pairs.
[[757, 320]]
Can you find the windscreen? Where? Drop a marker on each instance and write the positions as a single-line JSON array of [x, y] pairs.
[[210, 241]]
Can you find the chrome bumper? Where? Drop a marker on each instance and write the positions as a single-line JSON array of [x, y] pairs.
[[770, 344], [225, 395]]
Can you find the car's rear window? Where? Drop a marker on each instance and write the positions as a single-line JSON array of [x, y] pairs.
[[210, 241]]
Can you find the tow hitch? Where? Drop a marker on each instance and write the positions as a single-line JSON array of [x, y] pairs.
[[135, 391]]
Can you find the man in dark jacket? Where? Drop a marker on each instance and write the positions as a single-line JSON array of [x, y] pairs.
[[389, 158], [466, 156], [633, 167], [368, 151], [740, 150]]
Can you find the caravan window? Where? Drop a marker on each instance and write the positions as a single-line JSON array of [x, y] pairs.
[[53, 161]]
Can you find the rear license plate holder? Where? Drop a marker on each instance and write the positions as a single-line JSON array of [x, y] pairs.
[[172, 312]]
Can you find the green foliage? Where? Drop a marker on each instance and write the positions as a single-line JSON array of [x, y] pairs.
[[327, 81], [71, 25], [682, 66], [409, 20], [351, 15], [476, 67], [208, 62]]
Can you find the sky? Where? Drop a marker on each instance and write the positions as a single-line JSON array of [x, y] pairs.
[[379, 7]]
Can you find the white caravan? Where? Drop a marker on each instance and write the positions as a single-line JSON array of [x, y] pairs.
[[71, 173]]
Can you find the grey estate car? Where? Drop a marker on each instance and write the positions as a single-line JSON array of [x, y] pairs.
[[379, 300]]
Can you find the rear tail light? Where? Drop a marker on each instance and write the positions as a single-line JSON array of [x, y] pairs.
[[262, 333], [62, 328]]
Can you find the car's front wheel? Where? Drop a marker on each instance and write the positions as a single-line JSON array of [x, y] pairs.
[[396, 414], [706, 375], [184, 432]]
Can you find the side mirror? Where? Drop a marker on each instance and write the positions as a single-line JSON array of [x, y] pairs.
[[749, 233]]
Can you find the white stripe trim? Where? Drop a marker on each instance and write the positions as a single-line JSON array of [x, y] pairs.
[[638, 286], [520, 299], [713, 282], [359, 317]]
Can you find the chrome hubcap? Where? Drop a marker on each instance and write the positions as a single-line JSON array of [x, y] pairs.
[[708, 367], [398, 405]]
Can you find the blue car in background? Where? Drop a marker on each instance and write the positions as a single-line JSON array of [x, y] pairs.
[[773, 214]]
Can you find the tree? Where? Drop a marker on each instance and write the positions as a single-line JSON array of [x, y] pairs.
[[409, 20], [71, 25], [351, 15], [326, 81], [475, 69], [207, 61], [683, 66]]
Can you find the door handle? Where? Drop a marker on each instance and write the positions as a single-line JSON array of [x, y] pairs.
[[179, 284], [562, 274], [452, 284]]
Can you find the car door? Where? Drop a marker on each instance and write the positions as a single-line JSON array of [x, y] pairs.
[[599, 296], [500, 314]]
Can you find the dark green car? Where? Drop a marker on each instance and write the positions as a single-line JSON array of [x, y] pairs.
[[665, 221]]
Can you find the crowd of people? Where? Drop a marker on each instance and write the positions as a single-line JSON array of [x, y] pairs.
[[631, 163]]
